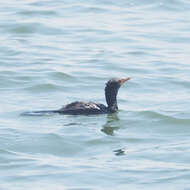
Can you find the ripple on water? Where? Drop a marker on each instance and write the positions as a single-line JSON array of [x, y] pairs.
[[36, 13], [30, 28]]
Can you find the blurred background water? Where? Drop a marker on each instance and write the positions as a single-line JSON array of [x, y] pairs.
[[55, 52]]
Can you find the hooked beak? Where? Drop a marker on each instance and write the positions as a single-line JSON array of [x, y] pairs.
[[122, 81]]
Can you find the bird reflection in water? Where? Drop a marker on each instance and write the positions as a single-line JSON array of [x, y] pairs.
[[119, 152], [110, 127], [111, 124]]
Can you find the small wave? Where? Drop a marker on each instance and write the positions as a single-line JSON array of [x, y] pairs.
[[7, 152], [60, 75], [37, 13], [48, 87], [29, 28], [163, 116]]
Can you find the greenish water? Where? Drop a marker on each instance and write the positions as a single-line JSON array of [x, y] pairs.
[[56, 52]]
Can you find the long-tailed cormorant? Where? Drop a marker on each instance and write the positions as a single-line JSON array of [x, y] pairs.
[[89, 108]]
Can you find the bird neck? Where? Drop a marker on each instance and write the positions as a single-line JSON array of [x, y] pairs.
[[111, 99]]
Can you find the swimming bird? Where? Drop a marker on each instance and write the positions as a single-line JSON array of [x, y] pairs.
[[89, 108]]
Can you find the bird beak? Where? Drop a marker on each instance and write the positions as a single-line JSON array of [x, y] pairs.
[[122, 81]]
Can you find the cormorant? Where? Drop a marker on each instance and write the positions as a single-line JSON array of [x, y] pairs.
[[89, 108]]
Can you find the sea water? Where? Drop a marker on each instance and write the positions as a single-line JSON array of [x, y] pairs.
[[56, 52]]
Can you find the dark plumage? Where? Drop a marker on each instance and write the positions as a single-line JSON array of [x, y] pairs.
[[89, 108]]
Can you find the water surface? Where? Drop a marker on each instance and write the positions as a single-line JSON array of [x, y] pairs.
[[55, 52]]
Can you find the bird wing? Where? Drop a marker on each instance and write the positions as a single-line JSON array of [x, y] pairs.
[[83, 108]]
